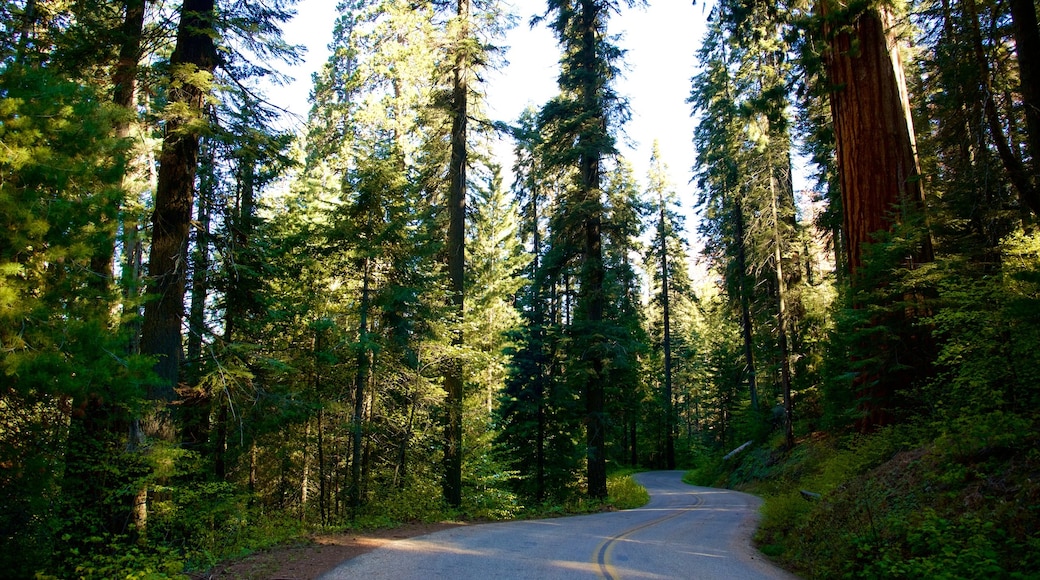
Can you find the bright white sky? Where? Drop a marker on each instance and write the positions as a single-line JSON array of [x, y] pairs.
[[661, 41]]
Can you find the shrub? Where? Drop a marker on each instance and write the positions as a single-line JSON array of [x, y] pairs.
[[624, 493]]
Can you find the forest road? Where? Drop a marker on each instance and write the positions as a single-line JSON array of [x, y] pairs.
[[684, 532]]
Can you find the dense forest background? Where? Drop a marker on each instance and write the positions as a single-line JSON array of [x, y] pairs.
[[216, 334]]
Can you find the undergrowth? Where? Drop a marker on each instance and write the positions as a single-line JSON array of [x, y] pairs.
[[899, 503], [622, 493]]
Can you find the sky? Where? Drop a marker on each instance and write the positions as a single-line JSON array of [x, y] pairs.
[[660, 39]]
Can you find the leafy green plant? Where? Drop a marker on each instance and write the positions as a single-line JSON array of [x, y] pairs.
[[108, 556], [624, 493]]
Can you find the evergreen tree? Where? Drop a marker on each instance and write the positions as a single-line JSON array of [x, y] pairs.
[[881, 189], [534, 431], [579, 126], [627, 342], [725, 218], [191, 65], [667, 228], [746, 75], [62, 360]]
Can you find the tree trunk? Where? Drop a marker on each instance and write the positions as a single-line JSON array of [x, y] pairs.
[[161, 326], [305, 481], [240, 298], [161, 331], [878, 175], [781, 317], [1027, 47], [746, 324], [199, 285], [401, 470], [360, 382], [538, 338], [669, 412], [323, 488], [221, 443], [593, 270], [96, 426], [196, 406], [873, 131], [124, 83], [453, 379]]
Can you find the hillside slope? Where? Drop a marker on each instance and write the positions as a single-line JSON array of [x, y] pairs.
[[960, 501]]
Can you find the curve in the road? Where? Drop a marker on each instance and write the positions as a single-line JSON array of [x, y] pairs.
[[683, 532], [603, 553]]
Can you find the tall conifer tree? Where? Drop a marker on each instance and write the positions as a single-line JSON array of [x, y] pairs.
[[580, 124]]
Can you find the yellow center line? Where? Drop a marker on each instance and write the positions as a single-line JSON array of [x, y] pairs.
[[604, 550]]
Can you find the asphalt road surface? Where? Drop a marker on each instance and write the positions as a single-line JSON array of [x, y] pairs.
[[684, 532]]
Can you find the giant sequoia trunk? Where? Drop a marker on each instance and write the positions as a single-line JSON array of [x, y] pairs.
[[161, 330], [879, 179], [877, 159]]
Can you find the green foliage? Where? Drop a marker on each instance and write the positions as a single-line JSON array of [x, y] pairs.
[[105, 557], [320, 343], [987, 326], [881, 352], [539, 425], [897, 504], [710, 468], [69, 386], [624, 493], [935, 547], [420, 502]]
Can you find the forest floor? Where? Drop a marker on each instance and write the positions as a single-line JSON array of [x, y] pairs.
[[315, 556]]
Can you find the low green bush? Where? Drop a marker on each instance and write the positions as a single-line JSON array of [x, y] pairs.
[[624, 493], [106, 557]]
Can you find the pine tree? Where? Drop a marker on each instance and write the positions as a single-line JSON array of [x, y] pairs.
[[624, 226], [192, 64], [456, 245], [666, 231], [725, 223], [526, 407], [63, 359], [580, 125]]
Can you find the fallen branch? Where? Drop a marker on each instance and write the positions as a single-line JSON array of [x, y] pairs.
[[737, 450]]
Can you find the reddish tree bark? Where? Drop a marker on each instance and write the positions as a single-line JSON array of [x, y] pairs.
[[880, 185], [877, 157]]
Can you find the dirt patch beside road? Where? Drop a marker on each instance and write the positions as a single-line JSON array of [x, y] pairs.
[[311, 558]]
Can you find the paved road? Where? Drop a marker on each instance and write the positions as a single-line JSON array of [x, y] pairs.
[[684, 532]]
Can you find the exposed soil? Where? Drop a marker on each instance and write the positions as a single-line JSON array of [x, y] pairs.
[[311, 558]]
